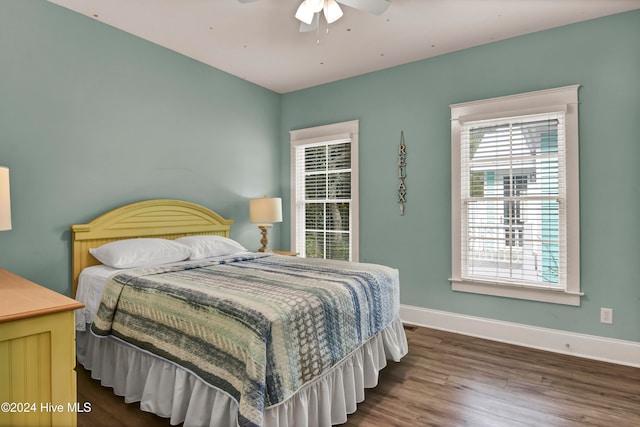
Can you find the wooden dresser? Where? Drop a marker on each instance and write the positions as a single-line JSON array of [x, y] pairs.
[[37, 355]]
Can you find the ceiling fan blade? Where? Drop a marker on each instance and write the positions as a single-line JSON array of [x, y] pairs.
[[305, 28], [305, 13], [332, 11], [376, 7]]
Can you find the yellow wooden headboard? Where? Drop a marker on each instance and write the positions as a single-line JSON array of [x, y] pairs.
[[164, 218]]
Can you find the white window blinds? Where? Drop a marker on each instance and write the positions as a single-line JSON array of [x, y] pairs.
[[513, 199], [323, 199]]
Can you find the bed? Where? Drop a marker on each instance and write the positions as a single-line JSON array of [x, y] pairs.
[[235, 339]]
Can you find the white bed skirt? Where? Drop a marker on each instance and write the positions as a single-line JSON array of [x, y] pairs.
[[170, 391]]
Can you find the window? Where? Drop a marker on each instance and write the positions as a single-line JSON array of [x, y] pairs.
[[515, 196], [324, 191]]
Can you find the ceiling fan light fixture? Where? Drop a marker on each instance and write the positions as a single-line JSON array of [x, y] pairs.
[[332, 11], [315, 5], [309, 11], [304, 13]]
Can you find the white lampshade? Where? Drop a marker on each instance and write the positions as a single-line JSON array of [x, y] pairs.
[[265, 210], [332, 11], [304, 13], [5, 199], [315, 5]]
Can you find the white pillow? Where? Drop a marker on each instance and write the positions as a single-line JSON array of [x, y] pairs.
[[144, 252], [209, 246]]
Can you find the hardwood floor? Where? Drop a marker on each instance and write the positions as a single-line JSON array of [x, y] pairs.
[[455, 380]]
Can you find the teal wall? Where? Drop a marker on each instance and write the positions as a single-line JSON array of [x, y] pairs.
[[92, 118], [603, 56]]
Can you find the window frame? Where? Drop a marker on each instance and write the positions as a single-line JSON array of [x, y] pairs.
[[530, 103], [321, 135]]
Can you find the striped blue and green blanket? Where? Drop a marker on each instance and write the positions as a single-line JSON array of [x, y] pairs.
[[256, 326]]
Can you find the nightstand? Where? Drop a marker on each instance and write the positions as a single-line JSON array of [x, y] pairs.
[[287, 253], [38, 351]]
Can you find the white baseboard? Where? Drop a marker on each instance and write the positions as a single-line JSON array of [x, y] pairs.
[[581, 345]]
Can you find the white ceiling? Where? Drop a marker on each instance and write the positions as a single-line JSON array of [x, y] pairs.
[[259, 41]]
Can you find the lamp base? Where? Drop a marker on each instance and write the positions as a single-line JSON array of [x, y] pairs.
[[265, 241]]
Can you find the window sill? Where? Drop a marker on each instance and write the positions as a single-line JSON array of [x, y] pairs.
[[555, 296]]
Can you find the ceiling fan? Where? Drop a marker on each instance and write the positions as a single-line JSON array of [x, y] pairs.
[[308, 12]]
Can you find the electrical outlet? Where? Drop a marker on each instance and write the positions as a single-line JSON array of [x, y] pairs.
[[606, 315]]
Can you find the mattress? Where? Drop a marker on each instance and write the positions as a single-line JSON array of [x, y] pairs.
[[90, 286]]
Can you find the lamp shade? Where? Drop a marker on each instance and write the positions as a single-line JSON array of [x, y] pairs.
[[304, 13], [332, 11], [265, 210], [5, 199]]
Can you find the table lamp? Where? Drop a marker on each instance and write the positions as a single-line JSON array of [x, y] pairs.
[[264, 212]]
